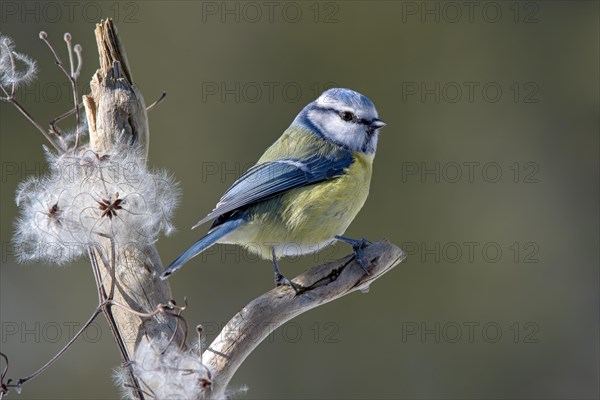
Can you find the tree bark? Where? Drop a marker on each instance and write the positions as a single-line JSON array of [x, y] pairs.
[[116, 111]]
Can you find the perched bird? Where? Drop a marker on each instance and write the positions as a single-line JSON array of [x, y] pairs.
[[306, 188]]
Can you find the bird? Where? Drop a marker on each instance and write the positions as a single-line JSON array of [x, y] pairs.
[[305, 190]]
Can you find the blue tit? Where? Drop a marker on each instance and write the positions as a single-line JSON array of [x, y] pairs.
[[305, 190]]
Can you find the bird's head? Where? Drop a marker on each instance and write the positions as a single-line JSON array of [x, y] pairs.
[[344, 117]]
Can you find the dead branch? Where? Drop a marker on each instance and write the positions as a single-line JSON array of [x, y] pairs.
[[116, 111], [321, 284]]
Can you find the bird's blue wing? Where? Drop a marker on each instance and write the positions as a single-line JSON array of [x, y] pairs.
[[272, 178]]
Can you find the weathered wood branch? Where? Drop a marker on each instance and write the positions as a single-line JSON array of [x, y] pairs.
[[322, 284], [116, 111]]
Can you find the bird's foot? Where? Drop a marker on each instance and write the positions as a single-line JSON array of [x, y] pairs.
[[281, 280], [357, 247]]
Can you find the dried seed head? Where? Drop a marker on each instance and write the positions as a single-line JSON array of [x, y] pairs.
[[172, 373], [87, 197]]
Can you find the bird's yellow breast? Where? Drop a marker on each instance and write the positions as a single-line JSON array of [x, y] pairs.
[[329, 206], [306, 219]]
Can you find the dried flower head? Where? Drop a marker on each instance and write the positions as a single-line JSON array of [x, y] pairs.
[[44, 229], [16, 69], [171, 372], [86, 197]]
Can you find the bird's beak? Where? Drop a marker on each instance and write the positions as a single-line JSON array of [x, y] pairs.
[[377, 123]]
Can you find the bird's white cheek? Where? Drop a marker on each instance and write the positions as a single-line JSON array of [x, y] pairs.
[[323, 121], [332, 127], [341, 132], [352, 136]]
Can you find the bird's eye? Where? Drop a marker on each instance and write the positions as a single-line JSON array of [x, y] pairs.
[[347, 116]]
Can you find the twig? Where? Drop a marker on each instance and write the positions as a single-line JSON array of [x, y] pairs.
[[73, 79], [56, 120], [23, 111], [78, 50], [172, 309], [57, 60], [157, 102], [21, 381], [72, 76], [11, 98]]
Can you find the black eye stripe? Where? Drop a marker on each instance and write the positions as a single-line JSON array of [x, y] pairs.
[[357, 120]]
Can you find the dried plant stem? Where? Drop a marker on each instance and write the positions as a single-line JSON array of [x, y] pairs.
[[105, 306], [157, 102], [72, 76], [96, 312], [11, 99]]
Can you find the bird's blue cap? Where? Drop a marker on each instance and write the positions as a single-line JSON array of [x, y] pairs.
[[345, 97]]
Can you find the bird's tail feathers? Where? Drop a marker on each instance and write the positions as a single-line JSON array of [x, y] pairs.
[[207, 241]]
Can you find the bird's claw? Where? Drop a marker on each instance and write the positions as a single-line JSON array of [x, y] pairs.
[[281, 280], [357, 247]]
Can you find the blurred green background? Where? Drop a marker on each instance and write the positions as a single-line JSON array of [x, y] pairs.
[[487, 175]]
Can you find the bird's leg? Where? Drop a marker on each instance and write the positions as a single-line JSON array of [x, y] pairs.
[[279, 278], [357, 247]]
